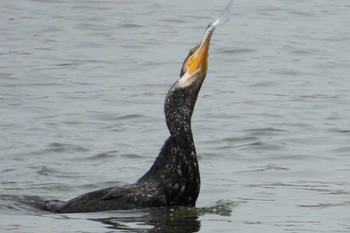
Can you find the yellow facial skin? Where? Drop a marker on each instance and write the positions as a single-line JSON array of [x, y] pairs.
[[199, 59]]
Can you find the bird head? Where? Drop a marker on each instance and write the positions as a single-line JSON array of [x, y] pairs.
[[195, 66]]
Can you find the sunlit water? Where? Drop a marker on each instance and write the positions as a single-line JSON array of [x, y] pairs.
[[82, 85]]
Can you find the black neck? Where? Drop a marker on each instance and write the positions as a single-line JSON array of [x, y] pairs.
[[176, 167], [178, 108]]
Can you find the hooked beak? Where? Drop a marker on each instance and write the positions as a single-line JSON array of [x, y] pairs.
[[199, 59]]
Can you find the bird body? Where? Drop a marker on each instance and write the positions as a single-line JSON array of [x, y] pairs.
[[174, 177]]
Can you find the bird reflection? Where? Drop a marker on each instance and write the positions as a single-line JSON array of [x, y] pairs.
[[179, 219]]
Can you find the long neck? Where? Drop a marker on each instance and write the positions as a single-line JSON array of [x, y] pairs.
[[178, 108], [179, 149], [176, 167]]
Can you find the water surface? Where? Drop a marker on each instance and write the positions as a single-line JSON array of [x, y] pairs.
[[82, 85]]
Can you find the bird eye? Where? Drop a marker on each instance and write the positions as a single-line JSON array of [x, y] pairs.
[[193, 50], [190, 53]]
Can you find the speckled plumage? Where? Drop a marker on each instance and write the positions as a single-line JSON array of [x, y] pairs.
[[174, 177]]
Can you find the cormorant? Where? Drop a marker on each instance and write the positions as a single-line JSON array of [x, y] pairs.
[[173, 179]]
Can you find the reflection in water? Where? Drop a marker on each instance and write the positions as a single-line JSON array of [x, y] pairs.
[[178, 219], [181, 219]]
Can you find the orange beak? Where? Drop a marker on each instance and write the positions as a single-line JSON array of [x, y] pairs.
[[199, 59]]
